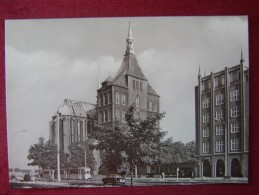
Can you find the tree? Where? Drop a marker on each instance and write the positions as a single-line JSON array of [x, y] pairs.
[[178, 152], [44, 155], [135, 144], [77, 156]]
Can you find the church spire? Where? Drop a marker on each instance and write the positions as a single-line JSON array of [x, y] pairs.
[[129, 41]]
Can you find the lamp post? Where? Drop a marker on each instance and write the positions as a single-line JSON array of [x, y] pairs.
[[58, 150], [80, 146], [13, 144]]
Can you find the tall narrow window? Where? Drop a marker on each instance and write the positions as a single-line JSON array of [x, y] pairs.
[[141, 88], [219, 114], [150, 106], [235, 128], [234, 95], [117, 114], [137, 102], [123, 99], [137, 85], [205, 147], [101, 117], [206, 118], [206, 103], [72, 131], [109, 98], [117, 98], [206, 132], [235, 144], [109, 115], [219, 99], [133, 84], [100, 100], [235, 111], [123, 116], [219, 130], [81, 131], [104, 99], [155, 107], [219, 146], [104, 116]]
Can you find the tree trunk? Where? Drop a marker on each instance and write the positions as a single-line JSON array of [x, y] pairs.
[[131, 176]]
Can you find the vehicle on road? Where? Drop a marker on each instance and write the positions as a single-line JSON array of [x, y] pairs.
[[114, 179]]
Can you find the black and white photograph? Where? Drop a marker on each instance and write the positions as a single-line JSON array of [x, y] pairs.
[[127, 101]]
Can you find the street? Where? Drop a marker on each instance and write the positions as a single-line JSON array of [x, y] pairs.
[[137, 182]]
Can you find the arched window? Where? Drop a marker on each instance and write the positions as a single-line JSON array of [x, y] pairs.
[[150, 105], [104, 99], [117, 98], [123, 116], [117, 114], [137, 102], [123, 99]]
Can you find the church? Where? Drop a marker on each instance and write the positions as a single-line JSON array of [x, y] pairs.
[[129, 87], [76, 119]]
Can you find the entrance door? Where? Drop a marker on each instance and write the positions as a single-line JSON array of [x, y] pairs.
[[206, 168], [235, 168], [220, 168]]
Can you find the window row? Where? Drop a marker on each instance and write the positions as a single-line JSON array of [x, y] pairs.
[[219, 129], [120, 98], [137, 85], [105, 116], [219, 147], [234, 96], [120, 115], [77, 131], [152, 106], [105, 99]]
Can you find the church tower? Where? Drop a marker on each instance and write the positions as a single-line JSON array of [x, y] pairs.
[[129, 87]]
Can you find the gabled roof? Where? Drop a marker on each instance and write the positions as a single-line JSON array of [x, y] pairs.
[[151, 91], [129, 66], [75, 108]]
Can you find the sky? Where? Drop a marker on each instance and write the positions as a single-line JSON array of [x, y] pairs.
[[49, 60]]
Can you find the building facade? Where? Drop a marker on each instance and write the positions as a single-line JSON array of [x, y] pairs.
[[222, 122], [75, 121], [129, 87]]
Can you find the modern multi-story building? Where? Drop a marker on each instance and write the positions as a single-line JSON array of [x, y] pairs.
[[129, 87], [222, 122]]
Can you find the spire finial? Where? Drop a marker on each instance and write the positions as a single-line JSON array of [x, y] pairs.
[[199, 70], [242, 60], [129, 42]]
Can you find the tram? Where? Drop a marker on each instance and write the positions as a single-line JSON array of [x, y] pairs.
[[82, 173]]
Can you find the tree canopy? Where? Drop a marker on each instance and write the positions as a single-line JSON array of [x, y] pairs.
[[44, 155], [135, 143]]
